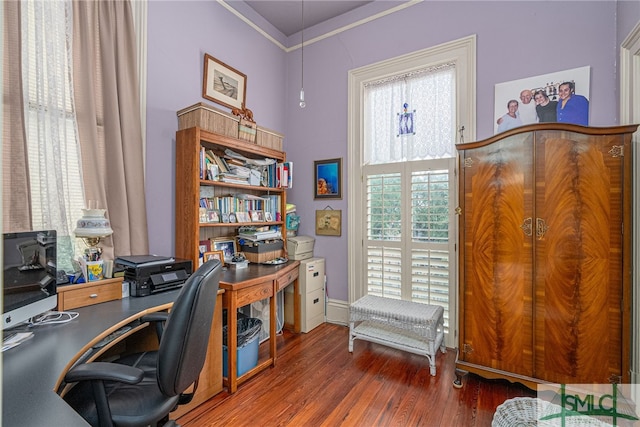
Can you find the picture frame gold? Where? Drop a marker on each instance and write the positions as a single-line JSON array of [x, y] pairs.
[[223, 84], [329, 222], [214, 255], [225, 244]]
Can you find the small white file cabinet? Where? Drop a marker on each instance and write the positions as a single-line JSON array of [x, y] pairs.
[[312, 293]]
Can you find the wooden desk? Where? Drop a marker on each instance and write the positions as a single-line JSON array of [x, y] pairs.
[[251, 284], [33, 370]]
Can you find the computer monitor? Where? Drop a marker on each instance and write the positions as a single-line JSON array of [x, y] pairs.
[[29, 275]]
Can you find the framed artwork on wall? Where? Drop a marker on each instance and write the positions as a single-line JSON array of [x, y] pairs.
[[329, 222], [223, 84], [327, 179]]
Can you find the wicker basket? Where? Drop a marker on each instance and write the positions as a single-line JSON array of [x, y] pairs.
[[527, 411], [208, 118], [217, 121], [263, 252]]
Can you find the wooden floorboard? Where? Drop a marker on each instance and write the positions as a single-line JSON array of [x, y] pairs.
[[317, 382]]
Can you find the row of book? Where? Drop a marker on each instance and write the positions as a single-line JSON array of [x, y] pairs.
[[242, 203]]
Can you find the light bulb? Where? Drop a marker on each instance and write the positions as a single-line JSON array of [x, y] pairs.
[[302, 103]]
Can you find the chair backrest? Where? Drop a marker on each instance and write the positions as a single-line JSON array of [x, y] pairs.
[[184, 342]]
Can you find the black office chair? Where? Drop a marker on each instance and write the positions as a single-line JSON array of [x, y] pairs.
[[142, 389]]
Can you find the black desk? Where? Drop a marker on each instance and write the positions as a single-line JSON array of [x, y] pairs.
[[30, 371]]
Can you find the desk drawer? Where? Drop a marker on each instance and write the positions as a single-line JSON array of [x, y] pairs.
[[75, 296], [254, 293], [287, 278]]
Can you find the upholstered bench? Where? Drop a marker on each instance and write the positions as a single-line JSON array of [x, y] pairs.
[[405, 325]]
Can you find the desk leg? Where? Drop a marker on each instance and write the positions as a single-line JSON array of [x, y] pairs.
[[273, 319], [232, 341]]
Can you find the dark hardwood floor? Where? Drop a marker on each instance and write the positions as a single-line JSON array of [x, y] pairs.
[[317, 382]]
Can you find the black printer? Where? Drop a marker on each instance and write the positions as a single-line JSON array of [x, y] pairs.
[[148, 274]]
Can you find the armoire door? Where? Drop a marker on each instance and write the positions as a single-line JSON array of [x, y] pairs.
[[578, 257], [497, 228]]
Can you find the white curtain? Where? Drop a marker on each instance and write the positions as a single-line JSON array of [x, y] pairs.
[[50, 121], [429, 133]]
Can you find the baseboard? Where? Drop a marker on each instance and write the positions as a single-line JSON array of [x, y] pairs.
[[337, 312]]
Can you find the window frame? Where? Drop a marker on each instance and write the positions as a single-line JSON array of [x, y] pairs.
[[463, 53]]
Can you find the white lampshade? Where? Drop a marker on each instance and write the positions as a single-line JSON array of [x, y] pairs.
[[93, 224]]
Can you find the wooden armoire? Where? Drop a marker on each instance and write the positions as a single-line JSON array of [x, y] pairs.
[[545, 255]]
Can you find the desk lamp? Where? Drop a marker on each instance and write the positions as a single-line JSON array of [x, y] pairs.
[[92, 227]]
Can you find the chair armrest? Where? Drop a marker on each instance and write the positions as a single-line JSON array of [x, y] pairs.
[[104, 371], [158, 316]]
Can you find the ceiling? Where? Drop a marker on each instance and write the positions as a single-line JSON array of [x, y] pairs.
[[286, 15]]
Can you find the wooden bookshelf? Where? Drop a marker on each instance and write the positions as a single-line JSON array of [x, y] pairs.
[[190, 187]]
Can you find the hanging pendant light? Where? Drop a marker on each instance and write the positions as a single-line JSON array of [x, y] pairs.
[[302, 103]]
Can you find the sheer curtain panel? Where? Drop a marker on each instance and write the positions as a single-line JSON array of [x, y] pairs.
[[428, 95]]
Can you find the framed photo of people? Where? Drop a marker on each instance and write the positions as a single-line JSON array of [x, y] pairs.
[[225, 244], [561, 97]]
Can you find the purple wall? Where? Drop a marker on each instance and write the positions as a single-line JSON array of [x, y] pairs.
[[179, 34], [514, 40]]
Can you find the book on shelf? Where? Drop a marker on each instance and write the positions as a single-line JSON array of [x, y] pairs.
[[284, 175], [234, 179]]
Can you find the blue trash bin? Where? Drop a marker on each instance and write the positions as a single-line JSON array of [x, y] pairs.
[[248, 345]]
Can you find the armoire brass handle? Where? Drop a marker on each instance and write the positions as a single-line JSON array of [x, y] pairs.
[[541, 228], [527, 226]]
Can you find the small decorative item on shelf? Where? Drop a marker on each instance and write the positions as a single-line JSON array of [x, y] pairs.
[[238, 261], [247, 127]]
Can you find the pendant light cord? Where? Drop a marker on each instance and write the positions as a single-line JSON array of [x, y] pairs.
[[302, 103]]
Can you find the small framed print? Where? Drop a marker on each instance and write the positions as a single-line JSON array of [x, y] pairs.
[[256, 216], [204, 246], [227, 245], [225, 217], [328, 179], [329, 222], [214, 216], [232, 217], [240, 217], [214, 255], [268, 216]]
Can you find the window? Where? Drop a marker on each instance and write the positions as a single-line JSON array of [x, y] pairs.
[[51, 188], [50, 122], [404, 115]]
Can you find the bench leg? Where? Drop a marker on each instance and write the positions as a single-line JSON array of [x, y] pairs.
[[432, 365], [351, 337]]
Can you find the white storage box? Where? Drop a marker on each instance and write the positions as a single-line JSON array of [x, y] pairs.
[[300, 247]]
